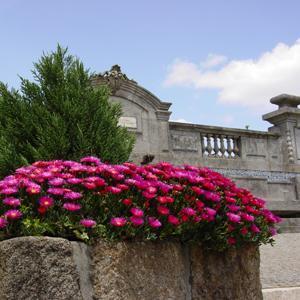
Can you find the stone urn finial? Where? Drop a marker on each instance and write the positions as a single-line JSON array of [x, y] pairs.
[[285, 100]]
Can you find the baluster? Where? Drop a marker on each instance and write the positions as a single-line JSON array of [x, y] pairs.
[[229, 146], [203, 146], [209, 146], [222, 146], [216, 144], [236, 149]]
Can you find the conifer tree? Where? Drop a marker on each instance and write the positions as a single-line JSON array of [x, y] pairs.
[[59, 115]]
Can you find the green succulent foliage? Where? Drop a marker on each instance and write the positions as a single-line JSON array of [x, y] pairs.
[[59, 115]]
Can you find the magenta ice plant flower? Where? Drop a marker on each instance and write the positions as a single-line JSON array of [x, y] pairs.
[[71, 206], [137, 212], [154, 223], [11, 201], [118, 221], [46, 201], [3, 222], [13, 214], [88, 223]]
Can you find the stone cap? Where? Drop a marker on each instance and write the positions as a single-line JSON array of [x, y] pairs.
[[285, 100]]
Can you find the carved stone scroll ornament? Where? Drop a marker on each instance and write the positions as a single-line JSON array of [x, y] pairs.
[[114, 78], [290, 149]]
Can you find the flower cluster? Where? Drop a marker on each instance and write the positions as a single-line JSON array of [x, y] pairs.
[[91, 199]]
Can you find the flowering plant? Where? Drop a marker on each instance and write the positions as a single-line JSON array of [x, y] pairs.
[[90, 199]]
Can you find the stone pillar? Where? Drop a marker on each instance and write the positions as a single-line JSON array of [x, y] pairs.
[[286, 121]]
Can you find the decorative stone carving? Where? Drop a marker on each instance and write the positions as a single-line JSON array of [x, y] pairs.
[[290, 149], [184, 142], [114, 78]]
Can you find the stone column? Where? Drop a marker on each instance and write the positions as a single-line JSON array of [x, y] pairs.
[[286, 121]]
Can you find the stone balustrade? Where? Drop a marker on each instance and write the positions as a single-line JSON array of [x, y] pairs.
[[220, 145]]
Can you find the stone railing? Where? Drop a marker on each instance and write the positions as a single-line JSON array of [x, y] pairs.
[[220, 145]]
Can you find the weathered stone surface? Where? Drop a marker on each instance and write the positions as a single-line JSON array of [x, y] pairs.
[[38, 268], [292, 293], [54, 268], [233, 274], [280, 265], [139, 271]]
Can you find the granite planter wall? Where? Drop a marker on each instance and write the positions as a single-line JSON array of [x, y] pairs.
[[55, 268]]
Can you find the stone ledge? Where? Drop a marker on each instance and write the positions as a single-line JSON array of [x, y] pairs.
[[291, 293]]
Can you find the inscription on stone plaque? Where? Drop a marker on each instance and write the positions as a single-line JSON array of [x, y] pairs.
[[128, 122], [184, 142]]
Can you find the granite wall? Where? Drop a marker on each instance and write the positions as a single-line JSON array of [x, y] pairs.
[[57, 269]]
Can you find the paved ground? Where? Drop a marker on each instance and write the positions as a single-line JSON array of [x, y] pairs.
[[280, 268]]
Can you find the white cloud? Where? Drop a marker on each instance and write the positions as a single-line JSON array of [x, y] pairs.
[[213, 60], [180, 120], [249, 83]]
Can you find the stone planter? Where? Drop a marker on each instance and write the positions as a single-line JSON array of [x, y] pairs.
[[55, 268]]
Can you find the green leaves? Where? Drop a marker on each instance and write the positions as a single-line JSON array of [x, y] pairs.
[[59, 116]]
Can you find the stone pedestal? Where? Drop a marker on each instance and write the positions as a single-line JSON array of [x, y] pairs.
[[54, 268]]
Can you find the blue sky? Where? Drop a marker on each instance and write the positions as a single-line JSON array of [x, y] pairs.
[[218, 62]]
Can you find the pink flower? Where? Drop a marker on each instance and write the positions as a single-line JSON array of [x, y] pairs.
[[173, 220], [89, 185], [272, 231], [233, 208], [33, 189], [247, 217], [254, 228], [71, 206], [244, 231], [148, 195], [137, 212], [188, 211], [11, 201], [136, 221], [127, 202], [72, 195], [165, 199], [46, 201], [114, 190], [3, 222], [9, 191], [233, 217], [154, 223], [56, 191], [91, 159], [74, 180], [13, 214], [163, 210], [231, 241], [56, 181], [118, 221], [211, 212], [88, 223]]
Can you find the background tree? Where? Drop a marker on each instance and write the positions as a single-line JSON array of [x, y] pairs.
[[59, 115]]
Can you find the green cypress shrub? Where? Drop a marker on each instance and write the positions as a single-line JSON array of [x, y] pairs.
[[59, 115]]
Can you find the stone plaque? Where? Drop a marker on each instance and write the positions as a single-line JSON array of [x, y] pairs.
[[184, 142], [129, 122]]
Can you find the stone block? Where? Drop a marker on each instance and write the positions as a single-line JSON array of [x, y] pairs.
[[233, 274], [38, 268], [139, 271]]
